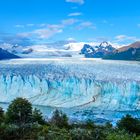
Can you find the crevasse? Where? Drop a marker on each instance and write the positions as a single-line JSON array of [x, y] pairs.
[[106, 85], [71, 92]]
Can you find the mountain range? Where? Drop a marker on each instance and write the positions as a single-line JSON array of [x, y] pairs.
[[103, 50], [97, 51], [130, 52], [4, 54]]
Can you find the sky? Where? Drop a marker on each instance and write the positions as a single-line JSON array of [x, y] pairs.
[[40, 21]]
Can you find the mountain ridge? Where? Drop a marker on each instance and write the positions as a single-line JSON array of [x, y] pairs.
[[4, 54], [129, 52], [99, 51]]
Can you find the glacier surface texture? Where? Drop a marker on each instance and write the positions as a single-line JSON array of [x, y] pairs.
[[83, 88]]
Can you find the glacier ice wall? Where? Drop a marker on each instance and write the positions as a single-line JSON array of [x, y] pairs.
[[108, 85]]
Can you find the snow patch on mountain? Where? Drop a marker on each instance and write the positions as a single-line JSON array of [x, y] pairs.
[[55, 49]]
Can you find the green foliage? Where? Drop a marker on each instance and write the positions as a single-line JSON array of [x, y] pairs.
[[89, 125], [121, 135], [130, 124], [23, 123], [1, 115], [19, 112], [37, 117], [81, 134], [56, 133], [59, 119], [99, 133]]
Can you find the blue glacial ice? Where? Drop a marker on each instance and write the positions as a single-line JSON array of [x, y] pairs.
[[84, 88]]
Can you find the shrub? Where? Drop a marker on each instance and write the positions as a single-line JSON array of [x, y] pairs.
[[37, 117], [59, 119], [130, 124], [121, 135], [19, 112], [1, 115]]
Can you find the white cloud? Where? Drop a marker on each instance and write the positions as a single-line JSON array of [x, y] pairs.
[[75, 14], [86, 24], [46, 33], [25, 34], [121, 38], [76, 1], [54, 26], [48, 30], [71, 39], [42, 25], [19, 26], [30, 25], [69, 21]]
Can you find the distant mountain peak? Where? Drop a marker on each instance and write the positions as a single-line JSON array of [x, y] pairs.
[[133, 45], [104, 43], [130, 52], [4, 54], [97, 51]]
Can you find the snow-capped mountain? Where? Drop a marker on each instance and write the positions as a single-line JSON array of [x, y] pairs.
[[129, 52], [61, 49], [88, 50], [97, 51], [4, 54]]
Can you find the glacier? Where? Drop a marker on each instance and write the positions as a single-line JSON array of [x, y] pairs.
[[83, 88]]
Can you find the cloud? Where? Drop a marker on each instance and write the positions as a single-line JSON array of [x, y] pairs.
[[125, 38], [43, 33], [24, 34], [99, 39], [121, 37], [69, 21], [71, 39], [76, 1], [86, 24], [49, 31], [46, 33], [30, 25], [15, 39], [75, 14], [42, 25], [54, 26], [19, 26]]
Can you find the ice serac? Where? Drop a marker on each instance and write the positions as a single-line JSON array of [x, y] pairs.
[[105, 85]]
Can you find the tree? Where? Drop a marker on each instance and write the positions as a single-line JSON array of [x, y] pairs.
[[1, 115], [130, 124], [59, 119], [90, 124], [81, 134], [19, 112], [37, 117], [120, 135]]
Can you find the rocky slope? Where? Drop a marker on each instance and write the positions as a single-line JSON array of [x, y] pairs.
[[130, 52], [97, 51], [7, 55]]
